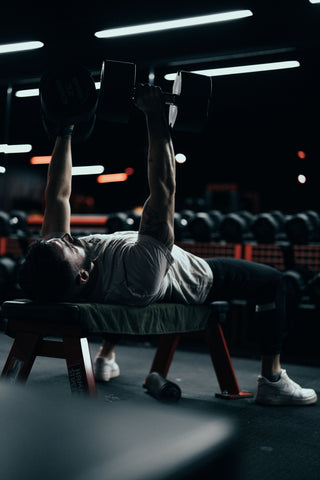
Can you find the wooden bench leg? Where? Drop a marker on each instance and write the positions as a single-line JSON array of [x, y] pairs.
[[21, 357], [222, 363], [79, 365], [164, 354]]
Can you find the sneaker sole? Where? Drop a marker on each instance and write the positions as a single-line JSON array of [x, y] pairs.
[[102, 378], [286, 401]]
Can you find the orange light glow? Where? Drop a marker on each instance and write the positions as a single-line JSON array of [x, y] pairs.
[[301, 154], [44, 160], [129, 171], [3, 245], [75, 219], [112, 177]]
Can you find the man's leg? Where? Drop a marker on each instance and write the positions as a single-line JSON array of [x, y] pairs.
[[106, 349], [270, 365], [264, 286]]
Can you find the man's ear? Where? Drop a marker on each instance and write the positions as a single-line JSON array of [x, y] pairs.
[[83, 277]]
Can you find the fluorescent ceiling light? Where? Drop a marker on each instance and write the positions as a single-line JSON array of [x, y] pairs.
[[259, 67], [168, 25], [19, 47], [230, 56], [22, 148], [30, 92], [314, 1], [34, 92], [88, 170]]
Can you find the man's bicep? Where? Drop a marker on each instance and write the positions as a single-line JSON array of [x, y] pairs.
[[158, 224], [56, 217]]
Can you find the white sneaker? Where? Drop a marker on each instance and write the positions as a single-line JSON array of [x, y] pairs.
[[283, 392], [106, 368]]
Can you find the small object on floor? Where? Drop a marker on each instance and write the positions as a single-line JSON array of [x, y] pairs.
[[161, 388], [283, 392], [106, 368]]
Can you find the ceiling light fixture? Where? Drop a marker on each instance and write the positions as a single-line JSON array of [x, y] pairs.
[[88, 170], [171, 24], [30, 92], [259, 67], [22, 148], [229, 57], [34, 92], [19, 47]]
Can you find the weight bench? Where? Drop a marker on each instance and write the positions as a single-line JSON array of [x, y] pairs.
[[60, 330]]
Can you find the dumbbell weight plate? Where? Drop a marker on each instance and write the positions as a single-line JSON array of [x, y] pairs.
[[117, 82], [193, 93], [68, 94]]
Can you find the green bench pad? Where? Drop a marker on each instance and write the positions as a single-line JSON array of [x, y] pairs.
[[155, 319]]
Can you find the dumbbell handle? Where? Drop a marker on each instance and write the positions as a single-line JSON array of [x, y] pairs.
[[169, 98]]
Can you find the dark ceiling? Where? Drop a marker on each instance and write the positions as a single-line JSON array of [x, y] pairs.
[[257, 121]]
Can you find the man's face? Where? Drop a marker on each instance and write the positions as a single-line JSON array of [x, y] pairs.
[[71, 250]]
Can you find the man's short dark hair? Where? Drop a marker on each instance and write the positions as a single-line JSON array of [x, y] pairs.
[[44, 275]]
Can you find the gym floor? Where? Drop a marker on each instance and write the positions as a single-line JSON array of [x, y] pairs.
[[275, 442]]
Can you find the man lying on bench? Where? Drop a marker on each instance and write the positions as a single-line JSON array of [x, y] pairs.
[[133, 268]]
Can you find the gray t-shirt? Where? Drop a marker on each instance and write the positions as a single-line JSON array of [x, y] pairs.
[[136, 269]]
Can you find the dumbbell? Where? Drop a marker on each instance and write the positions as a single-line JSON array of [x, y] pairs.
[[299, 288], [313, 290], [204, 227], [303, 228], [123, 221], [8, 269], [181, 224], [68, 96], [189, 100], [235, 226], [295, 284], [9, 287], [13, 223], [268, 227], [180, 227]]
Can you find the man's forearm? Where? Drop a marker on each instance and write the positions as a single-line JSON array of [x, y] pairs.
[[58, 191], [60, 170], [161, 158]]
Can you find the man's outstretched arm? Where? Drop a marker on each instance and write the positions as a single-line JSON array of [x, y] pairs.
[[58, 189], [157, 218]]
